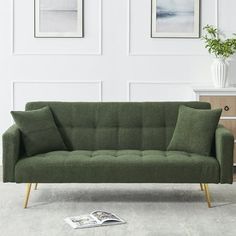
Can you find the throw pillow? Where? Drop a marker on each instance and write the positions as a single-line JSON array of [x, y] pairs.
[[39, 131], [194, 131]]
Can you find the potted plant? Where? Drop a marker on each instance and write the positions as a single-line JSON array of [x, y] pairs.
[[222, 49]]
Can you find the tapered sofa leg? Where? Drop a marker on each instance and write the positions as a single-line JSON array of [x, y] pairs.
[[201, 186], [207, 195], [36, 186], [28, 188]]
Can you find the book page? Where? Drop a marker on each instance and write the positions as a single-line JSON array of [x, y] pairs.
[[84, 221], [104, 216]]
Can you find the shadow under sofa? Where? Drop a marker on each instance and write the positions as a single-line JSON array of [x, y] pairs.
[[117, 142]]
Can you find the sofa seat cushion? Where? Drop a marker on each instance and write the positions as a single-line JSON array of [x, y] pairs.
[[112, 166]]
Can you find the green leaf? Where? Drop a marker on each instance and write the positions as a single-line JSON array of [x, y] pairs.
[[215, 44]]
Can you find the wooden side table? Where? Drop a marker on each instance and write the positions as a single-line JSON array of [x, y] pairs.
[[221, 98]]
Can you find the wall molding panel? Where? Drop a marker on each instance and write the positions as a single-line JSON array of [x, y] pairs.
[[97, 52], [92, 86], [147, 87], [187, 53]]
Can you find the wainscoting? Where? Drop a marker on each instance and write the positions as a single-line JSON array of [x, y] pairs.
[[23, 29], [24, 91], [117, 60]]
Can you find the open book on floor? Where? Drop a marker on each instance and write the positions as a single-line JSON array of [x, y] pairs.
[[94, 219]]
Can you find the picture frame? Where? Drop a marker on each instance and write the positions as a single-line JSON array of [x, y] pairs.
[[58, 18], [175, 18]]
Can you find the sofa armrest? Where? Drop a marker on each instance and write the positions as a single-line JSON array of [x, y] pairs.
[[11, 152], [224, 141]]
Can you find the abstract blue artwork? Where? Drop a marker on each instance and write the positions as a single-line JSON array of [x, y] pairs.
[[175, 18]]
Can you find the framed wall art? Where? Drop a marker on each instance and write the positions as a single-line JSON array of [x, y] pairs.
[[175, 19], [58, 18]]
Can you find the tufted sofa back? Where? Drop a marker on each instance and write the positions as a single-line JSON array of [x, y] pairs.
[[116, 125]]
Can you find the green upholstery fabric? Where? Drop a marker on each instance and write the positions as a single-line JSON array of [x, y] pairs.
[[39, 131], [195, 130], [123, 166], [224, 141], [12, 147], [147, 128], [94, 126]]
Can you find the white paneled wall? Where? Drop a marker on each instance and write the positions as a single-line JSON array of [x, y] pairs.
[[140, 43], [116, 61], [159, 91], [227, 21], [24, 43], [24, 91]]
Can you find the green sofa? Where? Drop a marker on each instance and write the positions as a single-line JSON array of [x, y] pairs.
[[117, 143]]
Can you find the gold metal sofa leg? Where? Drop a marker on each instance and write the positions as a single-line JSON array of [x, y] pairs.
[[35, 187], [28, 188], [207, 195], [204, 187], [201, 186]]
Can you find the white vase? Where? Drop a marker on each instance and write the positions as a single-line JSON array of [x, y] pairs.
[[219, 71]]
